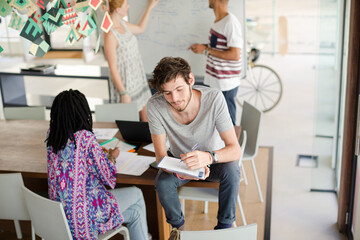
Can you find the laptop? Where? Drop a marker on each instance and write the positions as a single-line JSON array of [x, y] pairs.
[[134, 131]]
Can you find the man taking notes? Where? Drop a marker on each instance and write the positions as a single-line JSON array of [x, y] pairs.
[[190, 115], [224, 63]]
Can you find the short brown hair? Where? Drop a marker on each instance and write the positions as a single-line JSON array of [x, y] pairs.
[[167, 69], [114, 4]]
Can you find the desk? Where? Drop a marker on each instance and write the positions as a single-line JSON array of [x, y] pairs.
[[17, 86], [23, 150]]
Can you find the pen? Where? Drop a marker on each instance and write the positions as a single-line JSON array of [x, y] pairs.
[[192, 149]]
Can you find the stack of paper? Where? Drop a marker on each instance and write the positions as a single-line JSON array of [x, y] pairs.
[[114, 142], [105, 133], [132, 164]]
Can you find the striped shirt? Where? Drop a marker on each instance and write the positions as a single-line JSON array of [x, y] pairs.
[[224, 74]]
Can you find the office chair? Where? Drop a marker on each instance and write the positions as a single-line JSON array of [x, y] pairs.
[[50, 222], [24, 113], [250, 122], [248, 232], [116, 111], [211, 194], [12, 203]]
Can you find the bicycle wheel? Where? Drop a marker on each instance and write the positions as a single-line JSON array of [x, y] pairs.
[[262, 88]]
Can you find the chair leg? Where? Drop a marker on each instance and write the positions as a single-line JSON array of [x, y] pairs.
[[244, 174], [241, 211], [234, 224], [257, 180], [18, 229], [206, 207], [125, 232], [183, 206], [32, 232]]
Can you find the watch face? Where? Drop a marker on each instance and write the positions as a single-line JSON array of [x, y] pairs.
[[215, 157]]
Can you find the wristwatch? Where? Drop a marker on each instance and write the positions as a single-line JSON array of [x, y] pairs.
[[214, 156]]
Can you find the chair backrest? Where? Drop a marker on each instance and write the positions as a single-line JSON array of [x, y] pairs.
[[242, 142], [250, 122], [12, 202], [116, 111], [33, 113], [248, 232], [47, 216]]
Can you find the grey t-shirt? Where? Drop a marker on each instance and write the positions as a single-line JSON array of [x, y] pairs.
[[213, 117]]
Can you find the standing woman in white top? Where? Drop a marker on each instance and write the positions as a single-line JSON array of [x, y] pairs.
[[128, 80]]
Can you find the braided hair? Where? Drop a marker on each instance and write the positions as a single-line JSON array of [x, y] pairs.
[[70, 112]]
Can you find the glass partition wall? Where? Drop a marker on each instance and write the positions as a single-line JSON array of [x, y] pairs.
[[329, 94]]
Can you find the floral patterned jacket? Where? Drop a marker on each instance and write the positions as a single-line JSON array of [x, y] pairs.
[[77, 177]]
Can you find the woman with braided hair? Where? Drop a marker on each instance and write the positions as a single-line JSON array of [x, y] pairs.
[[128, 80], [79, 169]]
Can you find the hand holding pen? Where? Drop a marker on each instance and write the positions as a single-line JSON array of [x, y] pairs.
[[192, 149], [195, 159]]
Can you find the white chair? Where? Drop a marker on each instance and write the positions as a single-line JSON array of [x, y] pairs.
[[250, 122], [23, 113], [211, 194], [12, 203], [49, 220], [248, 232], [116, 111]]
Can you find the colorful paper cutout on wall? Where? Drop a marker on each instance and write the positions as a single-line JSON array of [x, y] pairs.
[[16, 22], [54, 16], [87, 27], [81, 6], [1, 49], [106, 23], [39, 47], [5, 8], [31, 30], [20, 4], [94, 4], [61, 4], [32, 8], [70, 16], [42, 3], [73, 36]]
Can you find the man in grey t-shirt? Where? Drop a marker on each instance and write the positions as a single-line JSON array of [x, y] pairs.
[[190, 115]]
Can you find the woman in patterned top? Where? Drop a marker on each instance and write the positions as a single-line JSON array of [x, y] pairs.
[[129, 83], [78, 170]]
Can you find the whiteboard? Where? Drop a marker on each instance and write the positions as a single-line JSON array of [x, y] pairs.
[[176, 24]]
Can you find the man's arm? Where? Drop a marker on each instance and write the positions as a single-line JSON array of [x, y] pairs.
[[231, 152], [159, 142], [233, 53]]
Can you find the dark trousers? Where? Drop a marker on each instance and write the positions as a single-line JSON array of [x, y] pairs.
[[230, 97]]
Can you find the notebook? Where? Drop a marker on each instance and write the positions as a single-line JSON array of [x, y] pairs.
[[134, 131]]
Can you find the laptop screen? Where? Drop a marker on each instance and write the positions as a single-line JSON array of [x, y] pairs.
[[134, 131]]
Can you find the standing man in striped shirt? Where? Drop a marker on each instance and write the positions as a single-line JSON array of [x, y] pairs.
[[224, 63]]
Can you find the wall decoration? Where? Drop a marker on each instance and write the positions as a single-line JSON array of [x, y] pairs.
[[42, 3], [39, 47], [73, 36], [31, 30], [87, 27], [5, 8], [106, 23], [54, 16], [20, 4], [16, 22], [81, 6], [1, 49], [70, 16], [94, 4]]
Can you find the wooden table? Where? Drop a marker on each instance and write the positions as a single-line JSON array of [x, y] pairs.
[[23, 150]]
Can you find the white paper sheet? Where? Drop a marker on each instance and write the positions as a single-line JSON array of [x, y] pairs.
[[105, 133], [132, 164], [176, 165], [150, 147]]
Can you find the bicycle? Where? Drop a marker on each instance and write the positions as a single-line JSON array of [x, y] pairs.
[[262, 86]]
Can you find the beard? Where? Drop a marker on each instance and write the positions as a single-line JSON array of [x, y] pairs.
[[187, 104]]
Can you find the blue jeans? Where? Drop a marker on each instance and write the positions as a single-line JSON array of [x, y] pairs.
[[230, 97], [132, 207], [228, 174]]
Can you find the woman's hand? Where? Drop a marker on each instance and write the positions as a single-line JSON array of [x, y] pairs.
[[125, 98], [113, 154], [152, 3]]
